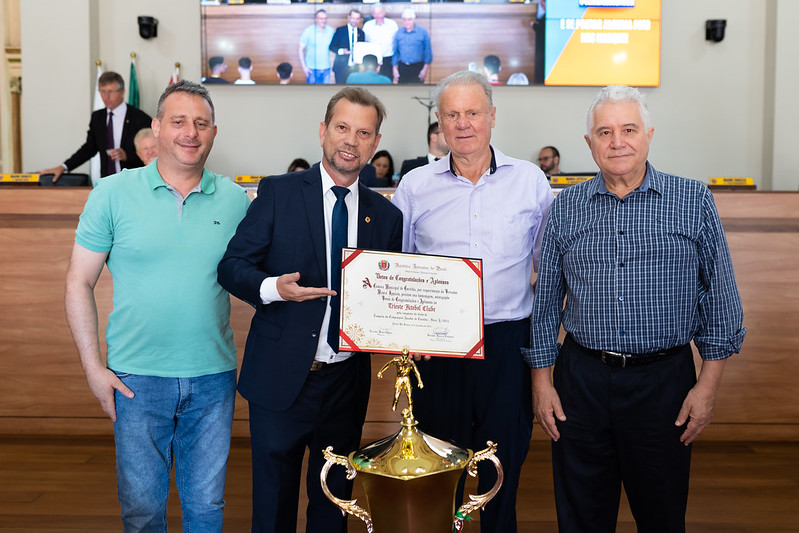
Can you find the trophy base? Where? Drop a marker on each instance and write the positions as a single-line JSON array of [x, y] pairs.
[[420, 505]]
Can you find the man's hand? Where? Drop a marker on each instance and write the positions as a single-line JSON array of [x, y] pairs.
[[288, 289], [55, 171], [102, 383], [546, 403], [697, 408], [418, 357], [423, 73], [117, 154]]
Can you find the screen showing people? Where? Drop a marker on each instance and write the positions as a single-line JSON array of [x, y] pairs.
[[329, 43], [557, 42]]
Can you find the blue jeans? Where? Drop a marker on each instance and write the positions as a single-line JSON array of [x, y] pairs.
[[318, 76], [188, 418]]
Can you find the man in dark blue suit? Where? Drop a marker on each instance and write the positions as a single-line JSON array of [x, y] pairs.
[[302, 392], [341, 47], [436, 149]]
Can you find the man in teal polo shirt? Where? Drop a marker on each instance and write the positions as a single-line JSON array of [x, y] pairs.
[[169, 380]]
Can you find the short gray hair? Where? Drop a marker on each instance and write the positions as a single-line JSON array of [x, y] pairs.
[[618, 93], [464, 77], [185, 86], [141, 135]]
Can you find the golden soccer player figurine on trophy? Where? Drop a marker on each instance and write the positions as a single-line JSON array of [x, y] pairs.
[[407, 473], [404, 364]]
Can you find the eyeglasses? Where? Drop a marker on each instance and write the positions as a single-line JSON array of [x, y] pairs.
[[106, 92]]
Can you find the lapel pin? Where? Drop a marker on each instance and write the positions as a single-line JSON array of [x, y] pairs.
[[367, 220]]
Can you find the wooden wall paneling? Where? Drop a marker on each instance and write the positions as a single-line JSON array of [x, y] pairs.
[[43, 390]]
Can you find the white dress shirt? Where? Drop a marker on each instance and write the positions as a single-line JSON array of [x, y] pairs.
[[119, 122], [269, 291]]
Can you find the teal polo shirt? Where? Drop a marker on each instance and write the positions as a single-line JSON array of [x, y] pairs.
[[170, 318]]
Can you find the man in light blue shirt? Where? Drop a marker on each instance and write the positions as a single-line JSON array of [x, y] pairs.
[[314, 53], [480, 203]]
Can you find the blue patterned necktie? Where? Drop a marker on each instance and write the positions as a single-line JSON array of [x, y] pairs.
[[338, 240]]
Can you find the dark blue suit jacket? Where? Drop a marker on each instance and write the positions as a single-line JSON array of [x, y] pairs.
[[341, 39], [284, 232], [410, 164]]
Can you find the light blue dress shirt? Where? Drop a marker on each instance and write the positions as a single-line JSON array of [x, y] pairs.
[[499, 220]]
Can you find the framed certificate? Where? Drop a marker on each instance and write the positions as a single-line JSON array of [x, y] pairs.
[[429, 304]]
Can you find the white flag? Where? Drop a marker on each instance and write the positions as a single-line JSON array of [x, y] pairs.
[[98, 104]]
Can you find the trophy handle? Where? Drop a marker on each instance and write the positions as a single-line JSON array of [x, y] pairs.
[[482, 499], [346, 506]]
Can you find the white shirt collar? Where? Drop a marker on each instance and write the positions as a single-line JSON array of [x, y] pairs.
[[120, 110], [328, 183]]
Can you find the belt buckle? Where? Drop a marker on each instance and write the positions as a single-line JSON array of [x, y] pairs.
[[623, 356], [317, 365]]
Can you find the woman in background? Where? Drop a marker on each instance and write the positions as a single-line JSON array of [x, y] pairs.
[[384, 168], [298, 164]]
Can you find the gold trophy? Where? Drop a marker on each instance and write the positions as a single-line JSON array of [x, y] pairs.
[[410, 478]]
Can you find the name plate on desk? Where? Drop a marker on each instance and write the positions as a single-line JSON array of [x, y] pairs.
[[249, 179], [565, 181], [732, 182], [429, 304], [19, 178]]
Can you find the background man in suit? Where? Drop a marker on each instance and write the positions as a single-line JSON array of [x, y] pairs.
[[436, 149], [341, 46], [285, 261], [480, 203], [111, 132]]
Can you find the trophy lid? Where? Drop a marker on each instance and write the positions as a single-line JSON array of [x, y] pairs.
[[408, 454]]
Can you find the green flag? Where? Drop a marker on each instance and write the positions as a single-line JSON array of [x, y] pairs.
[[133, 85]]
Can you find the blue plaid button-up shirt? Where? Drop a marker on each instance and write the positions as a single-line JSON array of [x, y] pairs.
[[640, 274]]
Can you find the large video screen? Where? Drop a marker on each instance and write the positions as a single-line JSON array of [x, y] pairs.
[[245, 43], [552, 42], [602, 42]]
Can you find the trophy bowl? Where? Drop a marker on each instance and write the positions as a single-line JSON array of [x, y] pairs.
[[410, 478]]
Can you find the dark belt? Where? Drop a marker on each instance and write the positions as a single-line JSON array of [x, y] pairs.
[[623, 360], [319, 365]]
